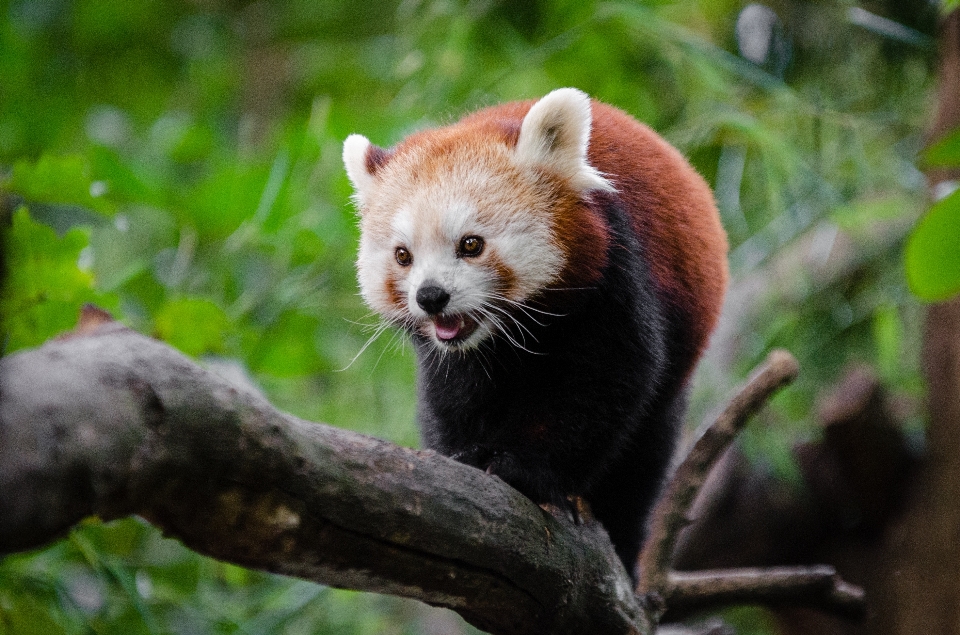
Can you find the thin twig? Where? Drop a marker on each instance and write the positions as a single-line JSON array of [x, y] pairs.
[[816, 585], [670, 516], [663, 588]]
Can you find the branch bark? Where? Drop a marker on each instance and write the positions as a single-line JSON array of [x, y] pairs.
[[113, 423], [925, 546], [105, 421]]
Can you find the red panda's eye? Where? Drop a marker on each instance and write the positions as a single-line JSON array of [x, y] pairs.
[[404, 257], [471, 246]]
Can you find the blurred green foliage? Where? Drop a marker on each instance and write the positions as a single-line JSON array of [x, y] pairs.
[[179, 163], [44, 283]]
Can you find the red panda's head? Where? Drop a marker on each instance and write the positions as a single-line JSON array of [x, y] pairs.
[[462, 226]]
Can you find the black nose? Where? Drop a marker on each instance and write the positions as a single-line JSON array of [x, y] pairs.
[[432, 298]]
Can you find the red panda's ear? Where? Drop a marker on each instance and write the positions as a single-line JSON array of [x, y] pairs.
[[362, 160], [556, 134]]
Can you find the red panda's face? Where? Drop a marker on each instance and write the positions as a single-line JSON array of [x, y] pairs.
[[459, 231], [449, 248]]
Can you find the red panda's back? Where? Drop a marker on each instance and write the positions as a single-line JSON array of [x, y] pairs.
[[673, 210]]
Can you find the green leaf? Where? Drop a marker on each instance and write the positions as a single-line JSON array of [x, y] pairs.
[[65, 179], [45, 288], [861, 215], [945, 153], [933, 252], [28, 614], [194, 325]]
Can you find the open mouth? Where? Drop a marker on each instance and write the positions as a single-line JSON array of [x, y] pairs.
[[451, 329]]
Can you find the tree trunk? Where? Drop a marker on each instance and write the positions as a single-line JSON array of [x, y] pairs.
[[924, 547]]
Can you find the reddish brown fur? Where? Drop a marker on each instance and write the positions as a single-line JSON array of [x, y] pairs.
[[582, 229], [672, 208], [584, 236], [671, 205], [376, 158], [390, 284], [505, 276]]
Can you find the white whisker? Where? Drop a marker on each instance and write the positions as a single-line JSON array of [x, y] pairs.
[[505, 331], [525, 307], [520, 324], [384, 325]]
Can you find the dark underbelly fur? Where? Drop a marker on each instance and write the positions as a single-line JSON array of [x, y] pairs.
[[594, 409]]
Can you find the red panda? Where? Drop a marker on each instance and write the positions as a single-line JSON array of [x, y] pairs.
[[559, 268]]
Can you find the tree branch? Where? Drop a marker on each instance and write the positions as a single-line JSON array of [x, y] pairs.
[[682, 592], [112, 423], [779, 369], [105, 421], [813, 586]]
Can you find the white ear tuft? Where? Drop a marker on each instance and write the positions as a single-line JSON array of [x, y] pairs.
[[556, 134], [355, 151]]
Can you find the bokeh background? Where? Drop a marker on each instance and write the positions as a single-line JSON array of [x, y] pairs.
[[178, 163]]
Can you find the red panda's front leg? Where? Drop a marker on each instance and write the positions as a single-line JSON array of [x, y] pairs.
[[528, 468], [531, 476], [527, 473]]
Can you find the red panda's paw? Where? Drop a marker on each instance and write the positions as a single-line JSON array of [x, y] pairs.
[[568, 512], [532, 479], [524, 474], [557, 512], [476, 455]]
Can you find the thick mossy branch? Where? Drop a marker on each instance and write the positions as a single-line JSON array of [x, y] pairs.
[[112, 423]]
